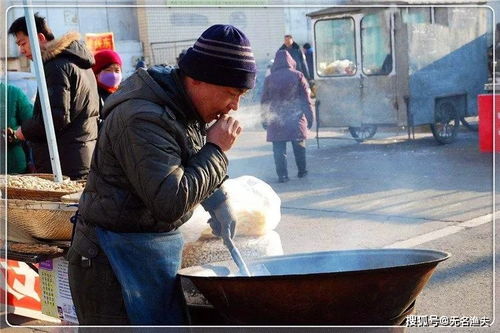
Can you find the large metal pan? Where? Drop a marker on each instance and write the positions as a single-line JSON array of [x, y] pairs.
[[355, 287]]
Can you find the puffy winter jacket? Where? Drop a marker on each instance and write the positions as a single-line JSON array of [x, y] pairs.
[[287, 107], [151, 166], [74, 103]]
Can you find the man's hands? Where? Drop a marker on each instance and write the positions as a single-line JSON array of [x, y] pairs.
[[19, 134], [9, 135], [224, 132], [223, 221]]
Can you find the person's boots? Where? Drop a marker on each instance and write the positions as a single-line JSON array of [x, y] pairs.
[[283, 179], [302, 174]]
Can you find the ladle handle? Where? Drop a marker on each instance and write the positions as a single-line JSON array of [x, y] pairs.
[[237, 258]]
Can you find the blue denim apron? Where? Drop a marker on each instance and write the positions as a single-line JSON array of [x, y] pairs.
[[146, 265]]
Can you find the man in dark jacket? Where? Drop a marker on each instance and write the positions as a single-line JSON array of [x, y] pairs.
[[73, 99], [297, 55], [309, 54], [155, 161]]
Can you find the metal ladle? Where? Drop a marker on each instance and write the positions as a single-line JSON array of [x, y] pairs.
[[236, 255]]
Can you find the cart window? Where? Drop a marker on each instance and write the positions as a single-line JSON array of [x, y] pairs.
[[376, 44], [335, 47], [417, 15]]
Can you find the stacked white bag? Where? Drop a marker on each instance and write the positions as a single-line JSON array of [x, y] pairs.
[[257, 209]]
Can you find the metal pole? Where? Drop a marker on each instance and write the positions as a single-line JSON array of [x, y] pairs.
[[42, 91]]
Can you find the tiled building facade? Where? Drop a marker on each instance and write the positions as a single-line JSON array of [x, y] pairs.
[[164, 32]]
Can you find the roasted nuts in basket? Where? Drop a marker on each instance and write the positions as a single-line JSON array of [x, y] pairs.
[[37, 183]]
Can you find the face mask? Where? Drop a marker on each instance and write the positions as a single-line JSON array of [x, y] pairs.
[[109, 79]]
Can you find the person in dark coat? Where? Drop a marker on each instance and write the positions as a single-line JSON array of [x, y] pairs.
[[73, 98], [297, 55], [141, 64], [287, 113], [108, 73], [309, 53], [155, 161]]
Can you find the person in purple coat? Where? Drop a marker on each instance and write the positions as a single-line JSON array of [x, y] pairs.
[[287, 113]]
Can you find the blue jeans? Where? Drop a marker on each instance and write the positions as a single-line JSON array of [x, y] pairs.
[[146, 266], [279, 151]]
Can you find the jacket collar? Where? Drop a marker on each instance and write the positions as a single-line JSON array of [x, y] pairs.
[[170, 79], [56, 46], [293, 46]]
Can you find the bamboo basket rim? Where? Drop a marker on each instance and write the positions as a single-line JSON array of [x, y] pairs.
[[13, 193], [41, 205], [41, 219], [48, 176]]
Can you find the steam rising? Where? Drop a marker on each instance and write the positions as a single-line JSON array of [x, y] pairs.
[[251, 116]]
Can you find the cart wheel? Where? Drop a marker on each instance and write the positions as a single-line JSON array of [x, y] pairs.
[[470, 122], [363, 133], [446, 126]]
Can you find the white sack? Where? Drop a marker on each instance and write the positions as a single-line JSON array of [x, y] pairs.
[[256, 206]]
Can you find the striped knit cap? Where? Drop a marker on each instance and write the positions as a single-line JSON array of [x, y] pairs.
[[223, 56]]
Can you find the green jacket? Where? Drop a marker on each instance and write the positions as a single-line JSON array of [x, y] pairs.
[[19, 109]]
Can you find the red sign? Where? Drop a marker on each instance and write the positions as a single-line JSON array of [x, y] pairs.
[[102, 41], [486, 115], [23, 287]]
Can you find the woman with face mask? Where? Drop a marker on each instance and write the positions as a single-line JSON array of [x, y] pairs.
[[108, 72]]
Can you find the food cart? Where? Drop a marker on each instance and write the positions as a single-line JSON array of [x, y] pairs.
[[400, 65]]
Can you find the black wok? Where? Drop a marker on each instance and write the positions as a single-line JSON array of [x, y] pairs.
[[355, 287]]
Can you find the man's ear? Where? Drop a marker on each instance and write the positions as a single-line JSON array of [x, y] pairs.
[[193, 82], [42, 39]]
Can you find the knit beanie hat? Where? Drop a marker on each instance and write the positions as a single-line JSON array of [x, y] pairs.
[[105, 58], [222, 56]]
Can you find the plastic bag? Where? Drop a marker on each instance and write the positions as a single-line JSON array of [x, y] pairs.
[[255, 204]]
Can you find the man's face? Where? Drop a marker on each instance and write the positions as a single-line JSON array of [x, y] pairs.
[[113, 68], [23, 41], [288, 41], [212, 101]]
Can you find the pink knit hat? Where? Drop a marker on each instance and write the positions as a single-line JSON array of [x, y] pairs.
[[104, 58]]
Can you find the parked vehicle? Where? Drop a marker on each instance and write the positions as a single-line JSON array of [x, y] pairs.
[[400, 66]]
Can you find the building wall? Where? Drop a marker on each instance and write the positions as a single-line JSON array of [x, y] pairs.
[[298, 24], [122, 21], [264, 27], [3, 33], [136, 28]]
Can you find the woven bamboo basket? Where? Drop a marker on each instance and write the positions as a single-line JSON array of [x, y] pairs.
[[41, 219], [38, 195]]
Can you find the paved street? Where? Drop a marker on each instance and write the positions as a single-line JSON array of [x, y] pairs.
[[390, 189], [390, 192]]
